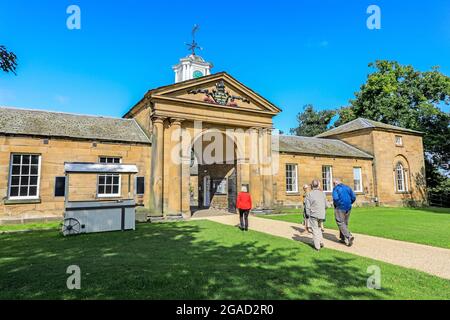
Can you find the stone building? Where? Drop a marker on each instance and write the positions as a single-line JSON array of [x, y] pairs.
[[195, 143]]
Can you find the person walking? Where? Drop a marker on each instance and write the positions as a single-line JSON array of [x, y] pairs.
[[315, 209], [343, 198], [321, 224], [306, 189], [244, 205]]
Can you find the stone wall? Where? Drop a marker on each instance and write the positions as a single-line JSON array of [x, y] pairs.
[[53, 156], [144, 120], [411, 155], [381, 144], [377, 174], [310, 167], [363, 140]]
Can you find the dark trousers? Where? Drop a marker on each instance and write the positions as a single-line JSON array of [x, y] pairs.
[[342, 217], [243, 215]]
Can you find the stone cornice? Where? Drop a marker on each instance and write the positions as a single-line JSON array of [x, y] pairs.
[[212, 120], [210, 105]]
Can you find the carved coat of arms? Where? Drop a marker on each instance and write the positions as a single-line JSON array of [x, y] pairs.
[[219, 95]]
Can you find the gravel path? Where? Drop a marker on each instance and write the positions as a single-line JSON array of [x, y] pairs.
[[433, 260]]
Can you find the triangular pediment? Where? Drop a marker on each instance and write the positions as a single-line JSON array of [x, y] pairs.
[[217, 90]]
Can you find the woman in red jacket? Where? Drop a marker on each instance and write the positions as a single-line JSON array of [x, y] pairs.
[[244, 204]]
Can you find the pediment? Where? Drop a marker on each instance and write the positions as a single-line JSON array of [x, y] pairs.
[[218, 90]]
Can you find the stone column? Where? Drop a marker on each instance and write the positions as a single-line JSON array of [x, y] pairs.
[[255, 178], [186, 174], [240, 155], [157, 167], [175, 169], [268, 172]]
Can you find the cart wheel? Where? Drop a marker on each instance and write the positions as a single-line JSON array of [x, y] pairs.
[[70, 227]]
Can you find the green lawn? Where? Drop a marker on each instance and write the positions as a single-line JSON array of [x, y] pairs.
[[31, 226], [196, 260], [429, 226]]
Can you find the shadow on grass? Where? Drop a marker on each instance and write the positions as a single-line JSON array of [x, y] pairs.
[[432, 210], [198, 260], [303, 236]]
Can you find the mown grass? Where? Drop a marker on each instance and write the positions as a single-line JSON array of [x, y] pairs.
[[196, 260], [430, 226], [30, 226]]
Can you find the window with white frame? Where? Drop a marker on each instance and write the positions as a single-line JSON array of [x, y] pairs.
[[398, 141], [357, 180], [24, 176], [327, 178], [291, 178], [109, 184], [400, 178]]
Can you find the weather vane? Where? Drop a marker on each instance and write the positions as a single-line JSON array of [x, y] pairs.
[[194, 45]]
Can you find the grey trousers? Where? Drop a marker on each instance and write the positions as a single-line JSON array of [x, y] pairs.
[[306, 221], [316, 232], [342, 217]]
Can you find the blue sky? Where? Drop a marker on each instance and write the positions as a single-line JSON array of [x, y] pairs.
[[291, 52]]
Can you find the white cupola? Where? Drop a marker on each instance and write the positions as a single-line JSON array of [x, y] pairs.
[[191, 67]]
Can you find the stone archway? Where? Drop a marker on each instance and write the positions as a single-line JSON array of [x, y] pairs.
[[214, 171], [173, 140]]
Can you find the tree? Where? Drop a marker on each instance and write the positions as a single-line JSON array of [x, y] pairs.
[[8, 60], [400, 95], [311, 122]]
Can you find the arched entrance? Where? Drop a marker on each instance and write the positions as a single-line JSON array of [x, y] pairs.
[[214, 171]]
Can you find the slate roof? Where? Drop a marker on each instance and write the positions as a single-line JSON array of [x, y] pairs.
[[318, 146], [65, 125], [361, 123]]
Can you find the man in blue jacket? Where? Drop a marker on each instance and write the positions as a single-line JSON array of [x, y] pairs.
[[343, 198]]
